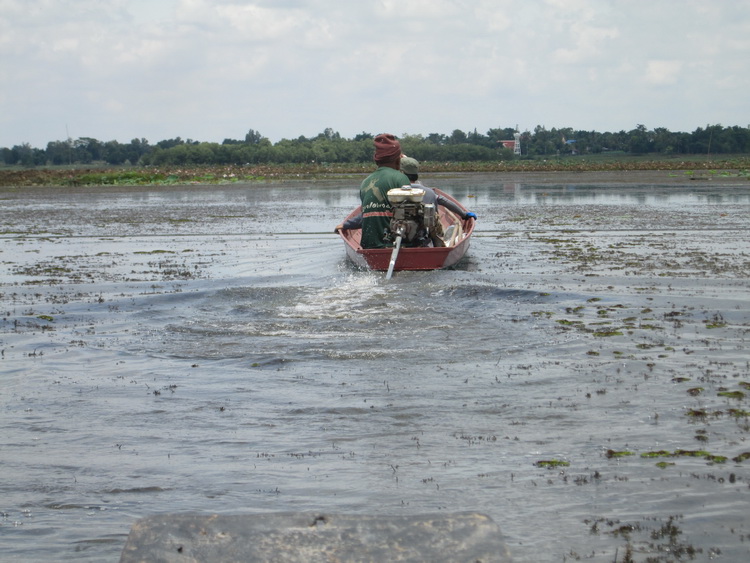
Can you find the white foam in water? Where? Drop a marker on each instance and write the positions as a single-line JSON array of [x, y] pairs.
[[358, 295]]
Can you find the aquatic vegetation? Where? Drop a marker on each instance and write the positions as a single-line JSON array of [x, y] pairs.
[[607, 333], [552, 463], [691, 453], [566, 322], [708, 456], [545, 314], [660, 453], [731, 394], [615, 454]]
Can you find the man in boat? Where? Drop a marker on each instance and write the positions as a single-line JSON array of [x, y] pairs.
[[410, 167], [376, 209]]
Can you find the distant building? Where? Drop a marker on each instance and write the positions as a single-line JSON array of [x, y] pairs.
[[514, 144]]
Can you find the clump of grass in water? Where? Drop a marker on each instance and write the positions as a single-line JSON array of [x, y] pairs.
[[607, 333], [552, 463], [616, 454], [708, 456], [731, 394]]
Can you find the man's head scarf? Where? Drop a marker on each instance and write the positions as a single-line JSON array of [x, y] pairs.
[[387, 148]]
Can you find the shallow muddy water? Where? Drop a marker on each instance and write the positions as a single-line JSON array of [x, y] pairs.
[[582, 377]]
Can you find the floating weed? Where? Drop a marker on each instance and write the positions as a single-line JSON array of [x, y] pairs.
[[45, 318], [659, 453], [614, 454], [680, 379], [731, 394], [556, 240], [701, 436], [742, 457], [708, 456], [592, 353], [607, 333], [744, 385], [552, 463], [702, 413], [545, 314], [716, 322], [664, 464], [695, 391], [566, 322], [691, 453], [738, 413]]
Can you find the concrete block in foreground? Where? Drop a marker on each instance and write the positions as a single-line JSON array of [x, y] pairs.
[[312, 537]]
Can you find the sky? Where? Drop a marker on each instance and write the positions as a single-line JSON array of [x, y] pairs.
[[209, 70]]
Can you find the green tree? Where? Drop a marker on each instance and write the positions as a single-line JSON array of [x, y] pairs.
[[60, 152], [253, 137], [457, 137], [639, 142]]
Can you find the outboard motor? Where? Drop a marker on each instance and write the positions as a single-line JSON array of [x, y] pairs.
[[413, 220]]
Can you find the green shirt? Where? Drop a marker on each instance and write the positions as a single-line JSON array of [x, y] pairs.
[[376, 209]]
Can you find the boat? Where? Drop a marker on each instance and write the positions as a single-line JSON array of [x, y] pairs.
[[457, 235]]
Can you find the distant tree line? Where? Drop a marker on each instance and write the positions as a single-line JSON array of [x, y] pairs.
[[330, 147]]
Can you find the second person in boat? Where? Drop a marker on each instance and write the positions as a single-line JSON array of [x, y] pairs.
[[410, 167]]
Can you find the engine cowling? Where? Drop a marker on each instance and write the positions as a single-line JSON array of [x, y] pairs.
[[412, 220]]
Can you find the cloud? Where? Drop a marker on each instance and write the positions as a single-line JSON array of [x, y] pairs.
[[214, 69], [663, 72]]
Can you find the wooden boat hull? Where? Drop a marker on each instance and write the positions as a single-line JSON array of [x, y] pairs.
[[412, 258]]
